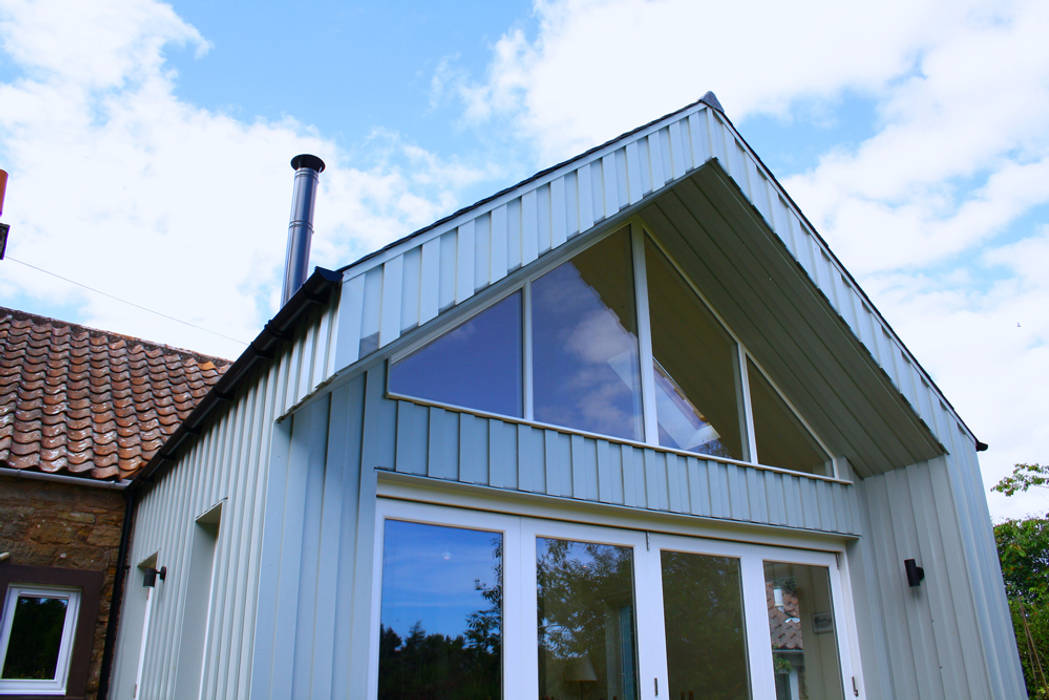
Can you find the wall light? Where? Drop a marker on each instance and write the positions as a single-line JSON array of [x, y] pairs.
[[915, 573]]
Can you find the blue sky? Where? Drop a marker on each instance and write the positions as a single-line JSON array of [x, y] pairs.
[[148, 147]]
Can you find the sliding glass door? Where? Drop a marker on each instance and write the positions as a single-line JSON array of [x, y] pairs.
[[479, 605]]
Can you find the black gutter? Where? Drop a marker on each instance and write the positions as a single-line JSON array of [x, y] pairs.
[[118, 595], [316, 290]]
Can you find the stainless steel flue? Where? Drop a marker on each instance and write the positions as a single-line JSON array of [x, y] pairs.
[[300, 228]]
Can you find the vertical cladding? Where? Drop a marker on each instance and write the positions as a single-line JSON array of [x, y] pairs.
[[314, 607], [957, 620], [455, 446], [318, 512], [228, 462]]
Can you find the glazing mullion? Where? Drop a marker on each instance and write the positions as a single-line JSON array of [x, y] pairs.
[[759, 637], [526, 354], [746, 408], [644, 336], [652, 646]]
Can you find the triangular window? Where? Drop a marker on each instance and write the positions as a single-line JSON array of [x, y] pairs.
[[570, 348], [782, 439], [475, 365]]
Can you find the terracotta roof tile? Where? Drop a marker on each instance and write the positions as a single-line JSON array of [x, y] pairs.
[[82, 401], [784, 620]]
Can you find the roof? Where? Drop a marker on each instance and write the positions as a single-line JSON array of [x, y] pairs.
[[80, 401], [409, 283]]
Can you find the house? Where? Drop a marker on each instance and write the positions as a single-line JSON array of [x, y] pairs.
[[625, 429], [81, 412]]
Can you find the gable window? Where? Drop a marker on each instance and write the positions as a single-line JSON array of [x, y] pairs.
[[584, 337], [475, 365], [695, 366], [617, 342], [782, 439]]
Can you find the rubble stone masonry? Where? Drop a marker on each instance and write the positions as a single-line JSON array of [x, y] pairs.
[[65, 526]]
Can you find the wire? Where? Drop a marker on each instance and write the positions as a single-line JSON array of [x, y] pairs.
[[125, 301]]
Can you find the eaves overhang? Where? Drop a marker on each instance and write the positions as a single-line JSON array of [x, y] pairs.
[[316, 291], [786, 322]]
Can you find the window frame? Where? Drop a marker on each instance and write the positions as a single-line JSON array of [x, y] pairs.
[[520, 633], [638, 233], [77, 639]]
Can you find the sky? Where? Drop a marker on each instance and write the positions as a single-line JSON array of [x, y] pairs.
[[148, 148]]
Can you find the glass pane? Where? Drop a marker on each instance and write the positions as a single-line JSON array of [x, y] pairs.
[[586, 620], [703, 614], [804, 641], [441, 625], [782, 440], [697, 404], [36, 637], [585, 353], [475, 365]]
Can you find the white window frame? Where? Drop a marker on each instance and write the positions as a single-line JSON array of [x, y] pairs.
[[52, 686], [520, 634], [638, 232]]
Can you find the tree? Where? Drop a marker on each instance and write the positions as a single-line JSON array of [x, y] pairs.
[[1024, 476], [1023, 548]]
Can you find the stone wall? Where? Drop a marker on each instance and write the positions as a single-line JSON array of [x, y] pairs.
[[44, 523]]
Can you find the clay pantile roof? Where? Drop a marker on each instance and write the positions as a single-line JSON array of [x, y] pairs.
[[85, 402], [784, 621]]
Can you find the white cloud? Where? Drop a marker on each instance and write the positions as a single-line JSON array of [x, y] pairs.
[[921, 209], [600, 67], [988, 350], [119, 184]]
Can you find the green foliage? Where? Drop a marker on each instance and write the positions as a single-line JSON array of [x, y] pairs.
[[1023, 548], [585, 600], [1024, 476], [434, 666], [1031, 625]]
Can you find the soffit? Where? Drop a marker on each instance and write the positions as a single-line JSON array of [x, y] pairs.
[[787, 323]]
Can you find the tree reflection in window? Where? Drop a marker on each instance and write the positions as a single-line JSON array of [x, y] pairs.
[[36, 637], [440, 632], [586, 620], [703, 616]]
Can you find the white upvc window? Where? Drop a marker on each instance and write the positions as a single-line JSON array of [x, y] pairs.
[[37, 629], [497, 605]]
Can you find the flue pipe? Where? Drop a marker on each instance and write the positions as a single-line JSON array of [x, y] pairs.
[[300, 228]]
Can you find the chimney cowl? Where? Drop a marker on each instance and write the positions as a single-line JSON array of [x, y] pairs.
[[300, 227], [307, 160]]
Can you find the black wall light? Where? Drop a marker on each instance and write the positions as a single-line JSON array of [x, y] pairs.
[[915, 573], [149, 576]]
